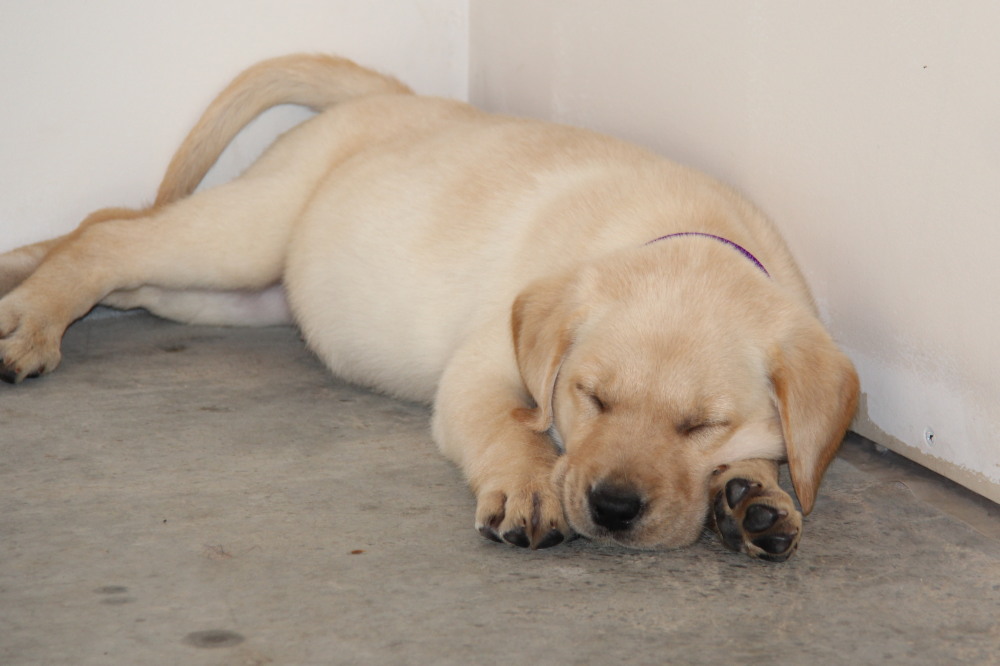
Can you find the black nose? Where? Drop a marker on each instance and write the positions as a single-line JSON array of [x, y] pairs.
[[614, 506]]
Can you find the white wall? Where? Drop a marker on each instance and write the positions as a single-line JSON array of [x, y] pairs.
[[95, 96], [868, 129]]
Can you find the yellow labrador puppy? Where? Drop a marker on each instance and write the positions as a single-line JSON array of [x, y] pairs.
[[615, 345]]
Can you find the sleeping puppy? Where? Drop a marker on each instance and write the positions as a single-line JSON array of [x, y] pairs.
[[615, 345]]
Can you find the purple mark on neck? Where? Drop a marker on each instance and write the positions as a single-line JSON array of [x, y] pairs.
[[742, 250]]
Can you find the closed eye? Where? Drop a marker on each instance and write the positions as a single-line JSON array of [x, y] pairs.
[[596, 401], [694, 426]]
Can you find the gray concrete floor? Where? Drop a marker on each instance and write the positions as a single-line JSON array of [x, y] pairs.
[[180, 495]]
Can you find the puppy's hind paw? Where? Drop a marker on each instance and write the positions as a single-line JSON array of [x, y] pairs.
[[27, 348], [757, 519]]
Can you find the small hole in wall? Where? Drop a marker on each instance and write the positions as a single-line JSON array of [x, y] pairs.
[[929, 436]]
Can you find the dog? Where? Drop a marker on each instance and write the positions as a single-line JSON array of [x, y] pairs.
[[615, 346]]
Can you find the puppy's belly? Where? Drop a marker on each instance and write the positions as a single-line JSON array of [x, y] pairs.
[[389, 268], [380, 320]]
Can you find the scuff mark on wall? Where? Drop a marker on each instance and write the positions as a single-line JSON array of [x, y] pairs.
[[975, 481]]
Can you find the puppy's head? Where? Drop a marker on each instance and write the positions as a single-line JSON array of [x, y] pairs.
[[652, 378]]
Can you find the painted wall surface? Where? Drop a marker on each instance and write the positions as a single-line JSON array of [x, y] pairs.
[[868, 129], [97, 95]]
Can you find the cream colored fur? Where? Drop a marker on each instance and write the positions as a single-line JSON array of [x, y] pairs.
[[498, 268]]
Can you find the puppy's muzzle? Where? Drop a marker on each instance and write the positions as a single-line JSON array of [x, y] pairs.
[[615, 506]]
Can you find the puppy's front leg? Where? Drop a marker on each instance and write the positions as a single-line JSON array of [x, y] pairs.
[[508, 466]]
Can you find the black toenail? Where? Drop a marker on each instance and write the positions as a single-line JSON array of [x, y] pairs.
[[736, 490], [775, 544], [490, 533], [553, 538], [517, 537], [760, 517]]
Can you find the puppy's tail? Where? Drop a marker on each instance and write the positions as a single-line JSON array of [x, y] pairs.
[[313, 81]]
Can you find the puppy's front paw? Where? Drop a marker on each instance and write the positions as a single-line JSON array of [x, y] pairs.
[[527, 515], [29, 345], [756, 518]]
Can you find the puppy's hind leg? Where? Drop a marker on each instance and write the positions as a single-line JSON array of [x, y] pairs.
[[230, 238], [16, 265]]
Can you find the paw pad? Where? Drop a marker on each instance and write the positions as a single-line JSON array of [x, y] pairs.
[[757, 520], [775, 544], [761, 517], [736, 490]]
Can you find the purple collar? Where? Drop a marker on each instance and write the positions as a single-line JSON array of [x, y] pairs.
[[742, 250]]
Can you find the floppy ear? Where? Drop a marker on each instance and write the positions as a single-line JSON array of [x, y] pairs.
[[543, 321], [816, 388]]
